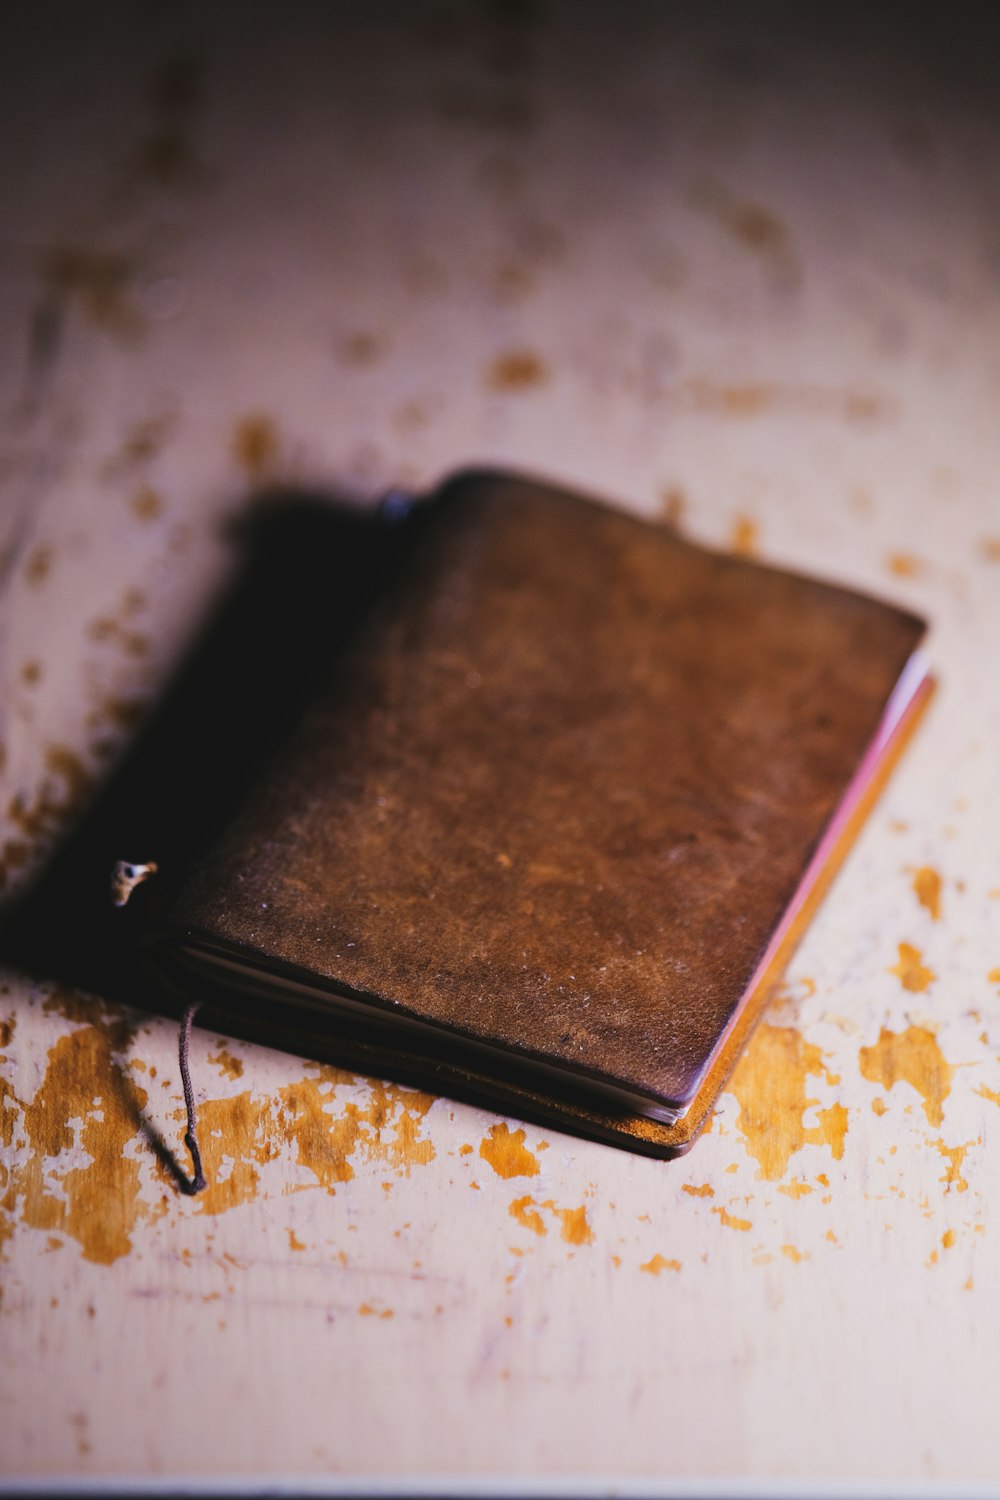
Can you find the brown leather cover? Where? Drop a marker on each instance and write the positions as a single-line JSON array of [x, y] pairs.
[[556, 798]]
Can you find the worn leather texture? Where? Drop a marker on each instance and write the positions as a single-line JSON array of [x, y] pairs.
[[559, 791]]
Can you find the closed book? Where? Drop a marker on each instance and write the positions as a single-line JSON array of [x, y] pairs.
[[553, 814]]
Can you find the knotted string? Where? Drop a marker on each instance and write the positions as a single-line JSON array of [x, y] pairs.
[[197, 1182]]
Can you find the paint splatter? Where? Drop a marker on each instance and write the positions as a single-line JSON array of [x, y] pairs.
[[228, 1065], [904, 565], [991, 1094], [83, 1179], [255, 446], [743, 537], [912, 973], [914, 1057], [927, 889], [96, 1203], [525, 1211], [753, 227], [795, 1189], [758, 229], [575, 1228], [730, 1221], [294, 1243], [660, 1263], [517, 370], [770, 1085], [705, 1191], [795, 1256], [954, 1156], [302, 1117], [948, 1239], [37, 565], [99, 284], [366, 1310], [142, 443], [147, 504], [507, 1154], [363, 348]]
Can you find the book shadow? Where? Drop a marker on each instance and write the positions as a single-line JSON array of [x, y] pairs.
[[309, 570]]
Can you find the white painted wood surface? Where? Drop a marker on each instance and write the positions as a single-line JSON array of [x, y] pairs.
[[741, 273]]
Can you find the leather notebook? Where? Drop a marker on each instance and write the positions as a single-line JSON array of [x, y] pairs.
[[552, 819]]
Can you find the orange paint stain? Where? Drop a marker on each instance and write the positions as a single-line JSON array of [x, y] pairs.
[[795, 1189], [96, 1203], [228, 1065], [927, 889], [730, 1221], [507, 1154], [146, 504], [831, 1237], [516, 371], [363, 348], [99, 1203], [904, 564], [796, 1256], [954, 1156], [991, 1094], [38, 565], [98, 284], [914, 1057], [994, 976], [743, 537], [879, 1106], [705, 1191], [660, 1263], [757, 228], [294, 1243], [525, 1211], [575, 1228], [255, 446], [912, 973], [759, 398], [64, 788], [366, 1310], [770, 1084], [948, 1239]]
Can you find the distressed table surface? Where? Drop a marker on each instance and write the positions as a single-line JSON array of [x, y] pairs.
[[730, 272]]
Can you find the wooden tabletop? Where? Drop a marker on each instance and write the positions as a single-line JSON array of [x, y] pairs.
[[739, 270]]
